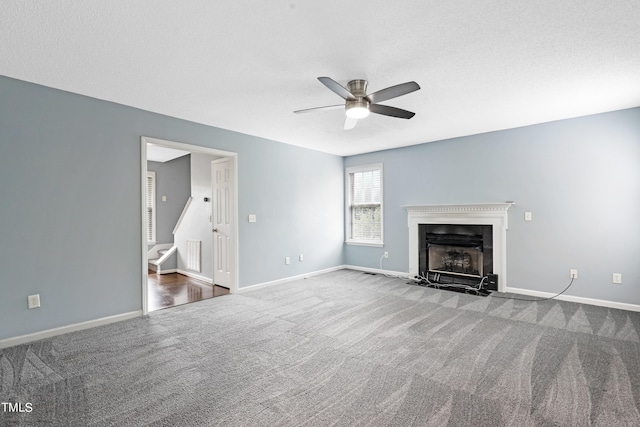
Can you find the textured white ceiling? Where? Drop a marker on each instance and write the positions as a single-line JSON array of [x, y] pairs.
[[247, 65], [158, 153]]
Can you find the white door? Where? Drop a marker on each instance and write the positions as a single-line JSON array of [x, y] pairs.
[[222, 178]]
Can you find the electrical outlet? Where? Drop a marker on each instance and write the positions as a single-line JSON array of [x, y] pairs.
[[573, 273], [617, 278], [287, 260], [527, 216], [386, 254], [301, 258], [33, 301]]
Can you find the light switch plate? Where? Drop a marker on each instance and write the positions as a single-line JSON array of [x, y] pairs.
[[252, 218]]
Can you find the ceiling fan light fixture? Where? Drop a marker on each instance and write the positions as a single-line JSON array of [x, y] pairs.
[[358, 108], [357, 112]]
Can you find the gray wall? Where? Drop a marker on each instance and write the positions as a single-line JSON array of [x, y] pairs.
[[70, 213], [173, 181], [580, 178]]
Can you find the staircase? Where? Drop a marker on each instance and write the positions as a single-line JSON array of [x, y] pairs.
[[161, 259]]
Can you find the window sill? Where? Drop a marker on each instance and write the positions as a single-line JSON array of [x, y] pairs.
[[363, 243]]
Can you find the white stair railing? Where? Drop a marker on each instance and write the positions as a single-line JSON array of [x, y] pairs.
[[184, 211]]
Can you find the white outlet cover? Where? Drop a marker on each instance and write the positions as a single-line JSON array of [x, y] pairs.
[[252, 218], [33, 301], [617, 278], [528, 216]]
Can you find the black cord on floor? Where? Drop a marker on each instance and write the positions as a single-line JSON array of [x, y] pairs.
[[534, 300]]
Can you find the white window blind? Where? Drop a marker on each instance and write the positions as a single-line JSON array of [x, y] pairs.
[[151, 206], [364, 216]]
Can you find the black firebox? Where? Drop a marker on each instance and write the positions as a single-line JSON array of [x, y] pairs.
[[457, 253]]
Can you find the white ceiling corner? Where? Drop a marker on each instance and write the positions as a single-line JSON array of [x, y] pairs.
[[246, 66]]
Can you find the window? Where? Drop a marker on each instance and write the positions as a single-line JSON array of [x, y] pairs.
[[151, 207], [364, 205]]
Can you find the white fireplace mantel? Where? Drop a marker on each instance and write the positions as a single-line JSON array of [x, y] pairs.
[[494, 214]]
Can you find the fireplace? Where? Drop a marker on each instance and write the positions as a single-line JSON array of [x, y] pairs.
[[456, 249], [467, 242]]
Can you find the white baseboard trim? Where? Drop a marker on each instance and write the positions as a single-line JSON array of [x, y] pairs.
[[582, 300], [172, 270], [195, 276], [23, 339], [290, 279], [402, 274]]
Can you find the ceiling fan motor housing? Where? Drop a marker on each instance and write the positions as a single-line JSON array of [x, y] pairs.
[[358, 88]]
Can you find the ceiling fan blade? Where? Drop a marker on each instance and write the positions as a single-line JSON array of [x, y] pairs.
[[391, 111], [349, 123], [393, 92], [337, 88], [328, 107]]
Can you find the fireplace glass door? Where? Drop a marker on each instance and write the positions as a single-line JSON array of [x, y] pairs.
[[455, 259]]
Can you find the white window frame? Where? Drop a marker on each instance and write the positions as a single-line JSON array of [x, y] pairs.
[[348, 203], [152, 175]]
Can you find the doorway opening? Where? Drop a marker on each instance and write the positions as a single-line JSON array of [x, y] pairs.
[[185, 264]]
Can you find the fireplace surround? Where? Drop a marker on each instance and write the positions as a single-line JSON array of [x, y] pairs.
[[466, 217]]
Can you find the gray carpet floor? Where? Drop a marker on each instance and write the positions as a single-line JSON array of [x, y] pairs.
[[344, 348]]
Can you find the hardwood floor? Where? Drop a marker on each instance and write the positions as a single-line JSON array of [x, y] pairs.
[[169, 290]]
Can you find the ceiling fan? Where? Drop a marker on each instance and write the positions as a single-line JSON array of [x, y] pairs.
[[358, 104]]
